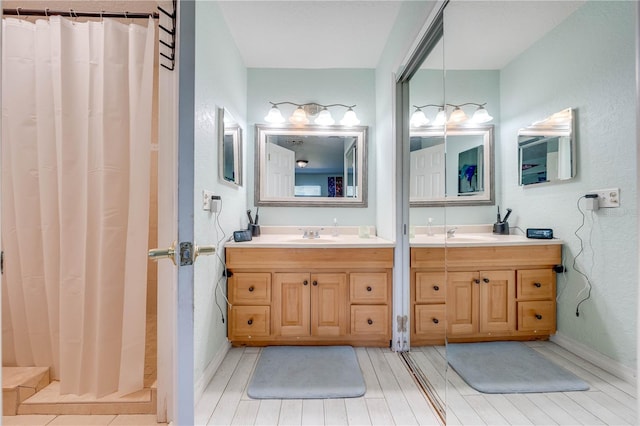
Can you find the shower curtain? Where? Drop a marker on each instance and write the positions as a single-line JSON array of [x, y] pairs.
[[76, 143]]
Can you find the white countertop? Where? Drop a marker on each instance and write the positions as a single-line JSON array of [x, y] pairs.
[[472, 236]]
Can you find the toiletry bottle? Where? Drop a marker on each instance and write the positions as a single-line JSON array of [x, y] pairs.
[[335, 227], [430, 227]]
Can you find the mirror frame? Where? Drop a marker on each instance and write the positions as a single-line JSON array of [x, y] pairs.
[[487, 198], [261, 133], [235, 131], [554, 125]]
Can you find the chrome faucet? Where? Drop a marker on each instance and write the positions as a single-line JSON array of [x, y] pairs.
[[311, 233], [451, 232]]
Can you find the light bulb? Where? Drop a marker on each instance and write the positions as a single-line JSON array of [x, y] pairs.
[[350, 118], [274, 116], [299, 116], [325, 118], [441, 118], [457, 116], [481, 115], [418, 118]]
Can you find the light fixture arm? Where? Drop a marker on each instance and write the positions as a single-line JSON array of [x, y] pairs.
[[310, 104]]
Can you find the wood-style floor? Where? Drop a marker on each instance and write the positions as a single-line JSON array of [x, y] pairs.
[[393, 396]]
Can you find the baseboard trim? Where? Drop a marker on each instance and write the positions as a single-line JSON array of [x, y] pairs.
[[604, 362], [210, 370]]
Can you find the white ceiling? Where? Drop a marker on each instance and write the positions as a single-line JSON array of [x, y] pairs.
[[483, 34]]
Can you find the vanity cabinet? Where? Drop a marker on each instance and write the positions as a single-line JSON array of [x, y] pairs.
[[483, 293], [285, 296]]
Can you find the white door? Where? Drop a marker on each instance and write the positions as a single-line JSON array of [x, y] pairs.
[[281, 165], [175, 224], [427, 173]]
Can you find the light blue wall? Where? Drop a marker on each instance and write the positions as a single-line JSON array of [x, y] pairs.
[[220, 81], [326, 86], [587, 63]]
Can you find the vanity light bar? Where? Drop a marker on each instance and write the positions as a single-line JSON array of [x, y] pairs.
[[419, 119], [301, 114]]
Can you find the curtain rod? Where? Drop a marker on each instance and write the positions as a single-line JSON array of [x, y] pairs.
[[76, 14]]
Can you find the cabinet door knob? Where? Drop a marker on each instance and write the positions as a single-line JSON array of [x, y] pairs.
[[250, 322], [538, 285], [436, 320], [305, 282], [477, 281], [315, 282], [486, 280], [369, 288], [251, 289], [369, 321], [538, 316], [436, 288]]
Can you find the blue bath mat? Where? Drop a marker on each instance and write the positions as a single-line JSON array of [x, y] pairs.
[[305, 372], [509, 367]]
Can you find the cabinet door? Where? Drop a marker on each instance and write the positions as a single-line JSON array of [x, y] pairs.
[[462, 306], [497, 301], [291, 304], [329, 304]]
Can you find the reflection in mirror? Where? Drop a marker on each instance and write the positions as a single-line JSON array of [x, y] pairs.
[[311, 166], [546, 150], [460, 174], [230, 148]]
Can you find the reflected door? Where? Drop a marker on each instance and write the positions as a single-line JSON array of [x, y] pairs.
[[427, 172], [280, 171]]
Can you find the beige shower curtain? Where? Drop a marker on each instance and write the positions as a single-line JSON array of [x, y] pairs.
[[76, 140]]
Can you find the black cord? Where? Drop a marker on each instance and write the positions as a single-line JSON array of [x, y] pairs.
[[576, 258], [224, 266]]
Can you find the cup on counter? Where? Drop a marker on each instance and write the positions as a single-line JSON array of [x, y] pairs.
[[255, 230], [363, 231]]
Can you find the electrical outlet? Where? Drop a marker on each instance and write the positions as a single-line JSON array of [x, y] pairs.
[[608, 198], [207, 200]]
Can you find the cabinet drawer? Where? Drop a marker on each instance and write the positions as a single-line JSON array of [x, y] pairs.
[[533, 316], [368, 287], [369, 320], [535, 284], [250, 321], [430, 287], [429, 320], [250, 288]]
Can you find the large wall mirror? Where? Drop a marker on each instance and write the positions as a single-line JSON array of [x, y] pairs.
[[323, 166], [459, 172], [546, 150], [229, 149]]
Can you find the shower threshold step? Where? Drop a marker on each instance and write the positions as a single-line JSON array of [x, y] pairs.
[[20, 383], [49, 401]]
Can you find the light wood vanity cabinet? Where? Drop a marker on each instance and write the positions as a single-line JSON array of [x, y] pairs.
[[309, 296], [490, 293]]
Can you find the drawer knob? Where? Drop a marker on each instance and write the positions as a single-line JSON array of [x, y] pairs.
[[436, 320], [251, 289], [250, 322], [477, 281], [369, 321], [315, 282], [538, 285], [436, 288], [538, 316], [305, 282], [486, 280], [369, 288]]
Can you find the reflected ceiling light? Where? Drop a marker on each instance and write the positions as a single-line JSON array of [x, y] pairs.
[[274, 116], [458, 116], [325, 118], [302, 163], [350, 118], [311, 109]]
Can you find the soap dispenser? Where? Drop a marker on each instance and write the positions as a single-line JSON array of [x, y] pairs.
[[335, 232], [430, 227]]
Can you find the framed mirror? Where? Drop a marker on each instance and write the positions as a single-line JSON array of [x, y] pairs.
[[229, 149], [459, 172], [546, 150], [323, 166]]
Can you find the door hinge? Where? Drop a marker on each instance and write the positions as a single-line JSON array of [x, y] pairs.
[[402, 323], [186, 253]]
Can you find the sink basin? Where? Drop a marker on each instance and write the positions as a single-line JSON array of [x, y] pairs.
[[468, 238], [319, 240]]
